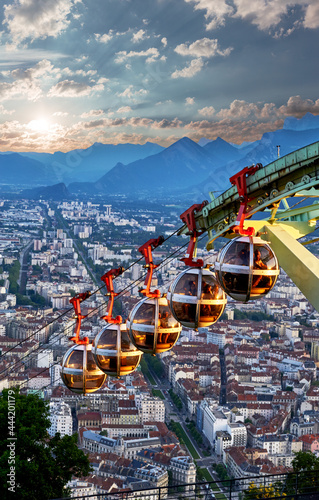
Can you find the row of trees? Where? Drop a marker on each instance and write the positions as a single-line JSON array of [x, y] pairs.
[[194, 432], [176, 399]]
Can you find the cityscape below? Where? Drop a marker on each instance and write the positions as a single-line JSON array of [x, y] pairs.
[[236, 399]]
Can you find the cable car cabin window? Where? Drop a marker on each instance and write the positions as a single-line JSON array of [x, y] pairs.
[[108, 340], [187, 285], [145, 314], [126, 344], [166, 319], [75, 360], [113, 351], [210, 292], [263, 258], [238, 254], [235, 283], [90, 364], [94, 381]]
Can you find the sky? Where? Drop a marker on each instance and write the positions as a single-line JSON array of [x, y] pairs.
[[76, 72]]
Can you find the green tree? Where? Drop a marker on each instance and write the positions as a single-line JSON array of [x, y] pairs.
[[306, 465], [34, 465]]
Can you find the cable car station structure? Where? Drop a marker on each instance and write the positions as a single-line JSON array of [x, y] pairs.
[[263, 189]]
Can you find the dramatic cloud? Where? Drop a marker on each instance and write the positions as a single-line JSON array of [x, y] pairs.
[[202, 48], [70, 88], [231, 131], [296, 106], [33, 19], [194, 67], [299, 107]]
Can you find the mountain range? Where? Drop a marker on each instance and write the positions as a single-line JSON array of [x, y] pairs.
[[182, 169]]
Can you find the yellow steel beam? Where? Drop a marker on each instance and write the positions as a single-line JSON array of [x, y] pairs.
[[300, 265]]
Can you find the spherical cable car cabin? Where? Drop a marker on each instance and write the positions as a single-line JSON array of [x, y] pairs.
[[195, 298], [247, 268], [79, 371], [112, 349], [152, 327], [114, 352]]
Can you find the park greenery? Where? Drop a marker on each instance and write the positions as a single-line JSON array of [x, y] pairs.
[[252, 315], [34, 465]]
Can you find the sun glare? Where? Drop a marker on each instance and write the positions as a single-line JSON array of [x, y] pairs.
[[39, 125]]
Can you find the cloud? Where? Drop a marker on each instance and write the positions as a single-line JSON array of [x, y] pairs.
[[131, 94], [151, 54], [242, 110], [190, 101], [4, 111], [230, 130], [202, 48], [194, 67], [124, 109], [20, 89], [70, 88], [41, 69], [265, 14], [216, 11], [139, 36], [311, 19], [299, 107], [164, 41], [207, 111], [92, 112], [104, 38], [33, 19], [60, 113]]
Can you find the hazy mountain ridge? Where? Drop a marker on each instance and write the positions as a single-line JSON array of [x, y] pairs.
[[182, 169]]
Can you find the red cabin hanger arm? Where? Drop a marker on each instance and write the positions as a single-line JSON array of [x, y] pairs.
[[76, 302], [108, 280], [146, 251], [239, 180], [188, 217]]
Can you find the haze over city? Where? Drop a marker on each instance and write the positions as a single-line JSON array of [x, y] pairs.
[[75, 72]]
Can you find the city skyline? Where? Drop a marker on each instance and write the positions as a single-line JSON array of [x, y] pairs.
[[74, 73]]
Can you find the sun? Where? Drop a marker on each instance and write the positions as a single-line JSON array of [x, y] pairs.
[[39, 125]]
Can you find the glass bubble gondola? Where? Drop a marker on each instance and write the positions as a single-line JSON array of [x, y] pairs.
[[195, 298], [113, 351], [152, 327], [246, 268], [79, 371]]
